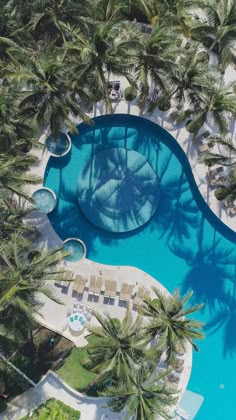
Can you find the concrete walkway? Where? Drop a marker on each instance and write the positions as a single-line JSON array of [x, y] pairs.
[[51, 386]]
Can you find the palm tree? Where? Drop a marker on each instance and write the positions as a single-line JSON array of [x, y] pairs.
[[23, 280], [119, 346], [217, 102], [168, 323], [227, 158], [144, 396], [101, 49], [189, 75], [218, 28], [50, 18], [13, 176], [13, 212], [155, 60], [48, 94]]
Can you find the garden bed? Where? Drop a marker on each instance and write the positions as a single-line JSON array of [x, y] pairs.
[[53, 409]]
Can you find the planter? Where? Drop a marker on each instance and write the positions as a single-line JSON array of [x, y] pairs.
[[130, 93]]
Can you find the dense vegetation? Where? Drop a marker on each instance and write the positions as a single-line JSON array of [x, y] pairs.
[[54, 409], [55, 61]]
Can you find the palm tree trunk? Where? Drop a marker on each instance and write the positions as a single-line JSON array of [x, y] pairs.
[[3, 358]]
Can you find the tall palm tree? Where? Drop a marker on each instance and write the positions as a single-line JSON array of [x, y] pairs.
[[119, 346], [101, 49], [50, 17], [168, 323], [144, 396], [12, 214], [189, 75], [22, 281], [217, 28], [48, 95], [227, 158], [154, 61], [216, 102], [13, 175]]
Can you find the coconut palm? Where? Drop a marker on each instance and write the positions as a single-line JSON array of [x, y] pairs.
[[168, 323], [144, 396], [13, 212], [48, 96], [50, 17], [101, 49], [155, 60], [119, 346], [216, 102], [23, 280], [226, 157], [217, 28], [189, 75], [13, 176]]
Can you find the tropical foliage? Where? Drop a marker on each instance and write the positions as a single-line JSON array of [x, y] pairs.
[[144, 395], [169, 325], [56, 58]]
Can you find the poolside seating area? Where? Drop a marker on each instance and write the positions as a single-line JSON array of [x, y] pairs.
[[97, 287]]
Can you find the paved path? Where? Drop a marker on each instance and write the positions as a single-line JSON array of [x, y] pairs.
[[51, 386]]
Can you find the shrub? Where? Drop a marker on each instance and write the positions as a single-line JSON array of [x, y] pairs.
[[53, 409], [164, 104], [221, 193], [130, 93]]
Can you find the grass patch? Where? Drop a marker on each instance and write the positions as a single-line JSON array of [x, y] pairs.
[[72, 371], [54, 409]]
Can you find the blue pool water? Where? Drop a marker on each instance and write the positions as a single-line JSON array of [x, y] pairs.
[[183, 245], [76, 250], [44, 200]]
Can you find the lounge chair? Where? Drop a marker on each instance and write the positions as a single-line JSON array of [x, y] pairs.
[[92, 285], [79, 284], [205, 147], [68, 277], [110, 289], [232, 211], [172, 385], [216, 181], [174, 378], [98, 286], [213, 172], [126, 292], [142, 293], [201, 136]]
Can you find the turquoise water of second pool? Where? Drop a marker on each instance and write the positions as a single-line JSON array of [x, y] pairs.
[[184, 245]]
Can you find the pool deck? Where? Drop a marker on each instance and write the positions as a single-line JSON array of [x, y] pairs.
[[56, 318]]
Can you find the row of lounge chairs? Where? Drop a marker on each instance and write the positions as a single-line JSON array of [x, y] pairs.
[[95, 287]]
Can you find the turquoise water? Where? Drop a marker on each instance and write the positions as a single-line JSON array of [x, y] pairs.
[[75, 249], [59, 146], [183, 245], [44, 200]]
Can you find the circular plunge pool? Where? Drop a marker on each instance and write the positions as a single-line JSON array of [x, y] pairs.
[[44, 199], [76, 248], [59, 146]]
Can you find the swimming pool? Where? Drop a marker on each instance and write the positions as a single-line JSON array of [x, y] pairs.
[[183, 245]]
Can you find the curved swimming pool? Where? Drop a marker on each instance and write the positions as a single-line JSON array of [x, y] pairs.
[[183, 244]]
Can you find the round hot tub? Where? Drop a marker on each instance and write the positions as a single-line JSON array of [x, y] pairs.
[[76, 248], [59, 146], [44, 199]]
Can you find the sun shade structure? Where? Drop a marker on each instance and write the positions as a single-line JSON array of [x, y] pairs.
[[118, 190]]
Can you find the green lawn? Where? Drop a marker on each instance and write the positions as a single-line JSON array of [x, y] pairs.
[[72, 371]]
